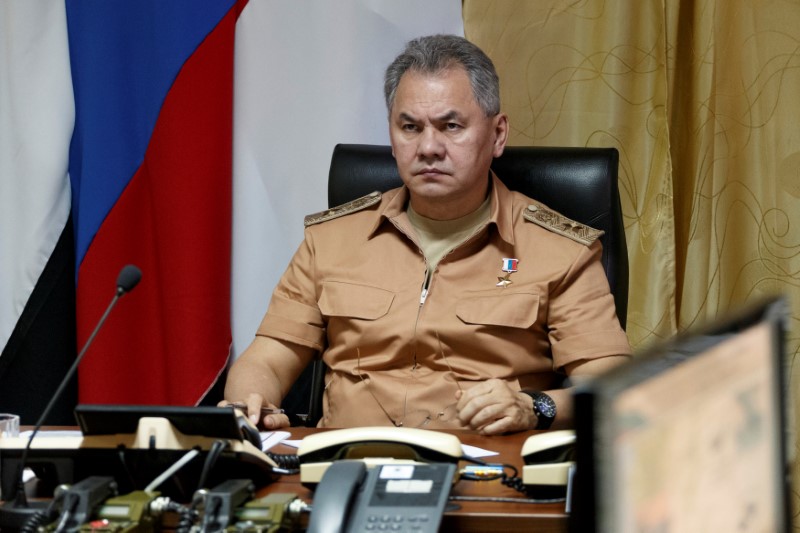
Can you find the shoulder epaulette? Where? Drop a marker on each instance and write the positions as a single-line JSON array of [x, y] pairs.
[[341, 210], [556, 222]]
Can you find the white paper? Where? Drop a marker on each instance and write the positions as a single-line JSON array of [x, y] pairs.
[[272, 438]]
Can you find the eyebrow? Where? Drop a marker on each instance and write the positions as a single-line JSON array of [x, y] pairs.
[[406, 117], [446, 117]]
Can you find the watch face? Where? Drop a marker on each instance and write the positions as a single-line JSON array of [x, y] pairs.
[[545, 406]]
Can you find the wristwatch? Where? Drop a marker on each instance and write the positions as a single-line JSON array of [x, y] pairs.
[[544, 408]]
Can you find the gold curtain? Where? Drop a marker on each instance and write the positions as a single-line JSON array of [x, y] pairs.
[[702, 100]]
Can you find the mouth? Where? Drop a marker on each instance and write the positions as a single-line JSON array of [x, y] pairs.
[[430, 171]]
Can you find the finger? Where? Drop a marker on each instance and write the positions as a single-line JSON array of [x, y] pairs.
[[472, 394], [477, 411], [490, 387], [254, 402], [488, 415], [276, 421], [488, 393], [498, 427], [489, 408]]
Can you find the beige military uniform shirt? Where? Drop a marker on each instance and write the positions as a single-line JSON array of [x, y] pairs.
[[397, 352]]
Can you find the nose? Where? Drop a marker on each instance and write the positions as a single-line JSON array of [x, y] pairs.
[[431, 144]]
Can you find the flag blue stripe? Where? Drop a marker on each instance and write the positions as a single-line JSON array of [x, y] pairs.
[[124, 57]]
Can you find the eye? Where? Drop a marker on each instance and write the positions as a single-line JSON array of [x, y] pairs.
[[409, 127], [452, 126]]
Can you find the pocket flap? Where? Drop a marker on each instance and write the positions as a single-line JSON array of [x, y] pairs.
[[344, 299], [516, 310]]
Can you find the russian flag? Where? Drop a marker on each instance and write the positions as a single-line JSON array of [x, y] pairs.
[[150, 170], [510, 264], [135, 167]]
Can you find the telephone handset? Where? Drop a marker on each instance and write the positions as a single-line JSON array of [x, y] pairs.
[[249, 432], [548, 458], [374, 445], [390, 497]]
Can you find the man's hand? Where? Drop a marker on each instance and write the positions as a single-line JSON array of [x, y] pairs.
[[493, 407], [253, 408]]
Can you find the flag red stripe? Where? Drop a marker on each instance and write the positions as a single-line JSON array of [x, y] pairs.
[[167, 340]]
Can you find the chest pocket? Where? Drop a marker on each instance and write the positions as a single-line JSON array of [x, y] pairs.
[[515, 310], [351, 300]]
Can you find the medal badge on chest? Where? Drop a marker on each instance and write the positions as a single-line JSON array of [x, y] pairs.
[[509, 266]]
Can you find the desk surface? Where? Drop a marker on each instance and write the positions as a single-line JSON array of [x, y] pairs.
[[477, 516]]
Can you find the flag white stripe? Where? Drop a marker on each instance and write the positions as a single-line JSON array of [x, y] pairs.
[[37, 114]]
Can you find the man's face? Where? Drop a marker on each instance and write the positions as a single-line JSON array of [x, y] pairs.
[[443, 143]]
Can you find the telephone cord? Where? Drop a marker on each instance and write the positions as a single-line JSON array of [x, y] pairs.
[[503, 499], [289, 462], [211, 459], [43, 516]]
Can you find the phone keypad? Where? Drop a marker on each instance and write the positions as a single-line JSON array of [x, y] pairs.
[[384, 522]]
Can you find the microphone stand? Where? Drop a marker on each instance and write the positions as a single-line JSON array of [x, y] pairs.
[[127, 279]]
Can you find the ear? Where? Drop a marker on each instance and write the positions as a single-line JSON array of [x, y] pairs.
[[501, 134], [391, 142]]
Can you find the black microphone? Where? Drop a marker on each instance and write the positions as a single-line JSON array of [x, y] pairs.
[[127, 279]]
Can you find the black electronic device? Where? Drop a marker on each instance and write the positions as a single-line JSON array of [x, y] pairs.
[[136, 444], [212, 422], [221, 502], [390, 497], [690, 436]]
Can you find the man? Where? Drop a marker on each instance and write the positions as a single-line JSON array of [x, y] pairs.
[[442, 304]]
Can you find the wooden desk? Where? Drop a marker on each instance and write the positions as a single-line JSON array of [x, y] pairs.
[[472, 516]]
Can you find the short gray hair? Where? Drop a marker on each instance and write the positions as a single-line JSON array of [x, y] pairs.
[[436, 53]]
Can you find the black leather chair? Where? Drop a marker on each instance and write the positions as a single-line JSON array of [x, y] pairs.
[[580, 183]]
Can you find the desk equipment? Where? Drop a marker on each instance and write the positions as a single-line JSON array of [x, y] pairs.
[[548, 459], [135, 444], [374, 445], [16, 507], [390, 497], [689, 436], [481, 506]]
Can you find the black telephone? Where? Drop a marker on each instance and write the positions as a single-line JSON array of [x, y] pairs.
[[390, 497], [374, 445]]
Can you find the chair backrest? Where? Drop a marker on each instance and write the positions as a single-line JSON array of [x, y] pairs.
[[580, 183]]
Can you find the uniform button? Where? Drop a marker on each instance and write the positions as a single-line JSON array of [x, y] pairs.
[[533, 207]]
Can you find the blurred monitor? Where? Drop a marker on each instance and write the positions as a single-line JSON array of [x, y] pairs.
[[690, 436]]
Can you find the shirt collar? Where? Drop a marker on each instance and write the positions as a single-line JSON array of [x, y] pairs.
[[500, 200]]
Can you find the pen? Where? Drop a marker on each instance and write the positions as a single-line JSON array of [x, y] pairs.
[[264, 410]]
